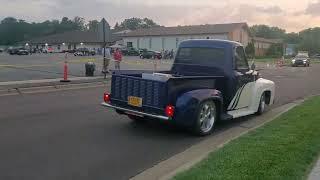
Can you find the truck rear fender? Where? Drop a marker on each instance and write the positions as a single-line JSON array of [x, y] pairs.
[[187, 104]]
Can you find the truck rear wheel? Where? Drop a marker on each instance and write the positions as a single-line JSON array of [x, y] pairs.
[[206, 118]]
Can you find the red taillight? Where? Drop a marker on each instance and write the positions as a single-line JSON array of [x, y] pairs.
[[170, 111], [106, 97]]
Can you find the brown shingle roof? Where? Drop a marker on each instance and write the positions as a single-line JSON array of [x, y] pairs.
[[72, 37], [186, 30]]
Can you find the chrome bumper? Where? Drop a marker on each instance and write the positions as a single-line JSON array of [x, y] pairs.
[[135, 112]]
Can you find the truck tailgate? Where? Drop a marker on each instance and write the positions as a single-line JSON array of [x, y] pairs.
[[153, 93]]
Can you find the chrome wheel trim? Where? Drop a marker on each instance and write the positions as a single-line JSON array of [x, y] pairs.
[[207, 117]]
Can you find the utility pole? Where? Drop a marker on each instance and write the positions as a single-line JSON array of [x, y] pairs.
[[104, 48]]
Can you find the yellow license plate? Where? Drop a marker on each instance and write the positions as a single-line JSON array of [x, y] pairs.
[[135, 101]]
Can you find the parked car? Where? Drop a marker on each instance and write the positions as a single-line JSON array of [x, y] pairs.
[[13, 51], [47, 50], [69, 51], [301, 60], [210, 80], [150, 54], [130, 52], [22, 52], [84, 52], [142, 50]]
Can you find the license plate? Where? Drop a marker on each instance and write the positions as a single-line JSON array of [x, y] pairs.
[[135, 101]]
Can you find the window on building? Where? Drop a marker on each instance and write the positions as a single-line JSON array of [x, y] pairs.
[[129, 44], [177, 42], [59, 47], [138, 43], [150, 43], [241, 60], [208, 37]]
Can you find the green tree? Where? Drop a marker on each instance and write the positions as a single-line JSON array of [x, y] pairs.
[[292, 38], [137, 23], [79, 23], [310, 40], [275, 50], [13, 30], [268, 32], [93, 25], [116, 26], [250, 50]]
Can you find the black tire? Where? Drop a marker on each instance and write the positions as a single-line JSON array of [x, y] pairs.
[[262, 104], [200, 128]]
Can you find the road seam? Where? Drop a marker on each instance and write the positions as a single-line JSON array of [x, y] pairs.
[[185, 160]]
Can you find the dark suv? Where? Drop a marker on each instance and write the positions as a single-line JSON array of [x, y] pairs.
[[150, 54], [301, 60], [130, 51]]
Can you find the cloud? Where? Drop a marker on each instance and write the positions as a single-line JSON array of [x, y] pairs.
[[284, 13], [313, 9]]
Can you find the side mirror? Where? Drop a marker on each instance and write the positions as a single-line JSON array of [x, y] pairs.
[[253, 66]]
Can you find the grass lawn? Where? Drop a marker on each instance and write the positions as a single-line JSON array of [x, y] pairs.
[[285, 148]]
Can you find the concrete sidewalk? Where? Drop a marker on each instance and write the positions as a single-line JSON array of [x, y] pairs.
[[315, 174]]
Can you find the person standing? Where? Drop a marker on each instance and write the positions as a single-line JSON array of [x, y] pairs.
[[117, 59], [171, 54], [106, 61]]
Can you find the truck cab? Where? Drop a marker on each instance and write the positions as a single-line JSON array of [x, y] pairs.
[[210, 80]]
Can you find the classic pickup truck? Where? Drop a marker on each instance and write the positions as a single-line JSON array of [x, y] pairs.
[[210, 80]]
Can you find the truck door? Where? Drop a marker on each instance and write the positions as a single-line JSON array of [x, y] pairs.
[[244, 80]]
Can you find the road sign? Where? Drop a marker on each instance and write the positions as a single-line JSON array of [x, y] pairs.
[[104, 32]]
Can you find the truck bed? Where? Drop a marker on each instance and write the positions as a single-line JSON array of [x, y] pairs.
[[155, 94]]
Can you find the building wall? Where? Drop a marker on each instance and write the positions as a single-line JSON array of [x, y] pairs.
[[241, 35], [68, 46], [159, 43], [261, 48]]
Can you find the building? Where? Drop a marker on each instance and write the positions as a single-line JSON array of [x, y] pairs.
[[72, 40], [168, 38], [262, 45]]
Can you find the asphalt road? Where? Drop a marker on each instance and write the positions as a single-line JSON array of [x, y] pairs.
[[68, 135], [50, 66]]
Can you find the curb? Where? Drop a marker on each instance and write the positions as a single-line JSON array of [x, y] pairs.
[[21, 87], [167, 169]]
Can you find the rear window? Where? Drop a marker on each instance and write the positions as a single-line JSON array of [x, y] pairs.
[[200, 56]]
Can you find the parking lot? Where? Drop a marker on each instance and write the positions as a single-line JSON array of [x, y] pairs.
[[49, 66]]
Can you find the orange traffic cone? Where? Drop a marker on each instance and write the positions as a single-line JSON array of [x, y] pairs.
[[65, 73]]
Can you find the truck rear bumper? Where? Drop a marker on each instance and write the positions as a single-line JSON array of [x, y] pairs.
[[135, 112]]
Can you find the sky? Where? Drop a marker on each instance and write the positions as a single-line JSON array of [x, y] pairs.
[[291, 15]]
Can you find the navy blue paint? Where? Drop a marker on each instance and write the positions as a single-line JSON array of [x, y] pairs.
[[187, 104], [189, 86]]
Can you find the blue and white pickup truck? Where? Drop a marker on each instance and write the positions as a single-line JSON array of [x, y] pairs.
[[210, 80]]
